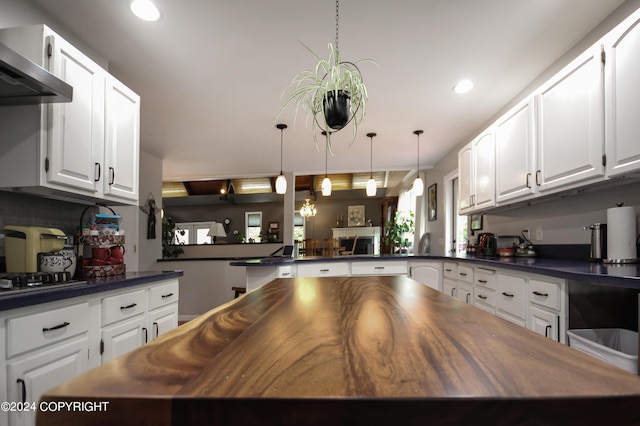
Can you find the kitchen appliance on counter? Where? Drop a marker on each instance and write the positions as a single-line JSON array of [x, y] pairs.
[[525, 248], [19, 282], [487, 244], [24, 243], [598, 247], [621, 235], [507, 244]]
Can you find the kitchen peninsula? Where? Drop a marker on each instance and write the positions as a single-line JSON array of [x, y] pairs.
[[350, 350]]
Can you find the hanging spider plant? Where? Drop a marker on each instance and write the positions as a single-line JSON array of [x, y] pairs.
[[333, 94]]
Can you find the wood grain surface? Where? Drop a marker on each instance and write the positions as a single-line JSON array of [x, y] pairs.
[[351, 350]]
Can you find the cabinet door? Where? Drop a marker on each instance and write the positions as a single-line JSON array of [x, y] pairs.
[[35, 374], [162, 320], [449, 287], [76, 129], [429, 274], [123, 337], [515, 153], [511, 298], [122, 142], [484, 170], [622, 93], [543, 322], [465, 179], [464, 293], [571, 124]]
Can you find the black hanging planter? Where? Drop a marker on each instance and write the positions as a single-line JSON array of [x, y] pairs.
[[337, 110]]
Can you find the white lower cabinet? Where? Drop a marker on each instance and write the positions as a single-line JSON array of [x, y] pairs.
[[427, 273], [123, 337], [30, 376], [389, 267], [51, 343], [464, 292], [450, 287], [484, 289], [323, 269], [547, 307], [510, 298]]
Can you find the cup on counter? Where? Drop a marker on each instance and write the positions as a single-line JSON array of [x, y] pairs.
[[117, 253], [101, 253]]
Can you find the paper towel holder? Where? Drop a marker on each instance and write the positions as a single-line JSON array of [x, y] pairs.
[[635, 238]]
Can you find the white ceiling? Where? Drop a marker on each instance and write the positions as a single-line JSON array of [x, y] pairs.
[[211, 72]]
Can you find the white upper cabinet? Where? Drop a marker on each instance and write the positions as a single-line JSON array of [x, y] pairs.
[[622, 96], [515, 153], [570, 124], [86, 149], [122, 144], [465, 178], [76, 129], [476, 165]]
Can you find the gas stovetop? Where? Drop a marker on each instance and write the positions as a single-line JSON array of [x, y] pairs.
[[14, 282]]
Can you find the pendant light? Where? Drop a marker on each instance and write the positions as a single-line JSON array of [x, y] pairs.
[[326, 182], [371, 183], [281, 181], [418, 185]]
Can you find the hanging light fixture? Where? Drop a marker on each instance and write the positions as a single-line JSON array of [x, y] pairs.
[[418, 185], [326, 182], [281, 181], [308, 210], [371, 183]]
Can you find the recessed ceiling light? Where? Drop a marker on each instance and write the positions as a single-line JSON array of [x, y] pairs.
[[463, 86], [145, 9]]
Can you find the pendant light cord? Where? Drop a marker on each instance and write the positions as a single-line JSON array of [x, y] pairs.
[[371, 135], [418, 133], [281, 127], [337, 18]]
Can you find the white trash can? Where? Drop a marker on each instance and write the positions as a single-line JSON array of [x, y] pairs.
[[617, 346]]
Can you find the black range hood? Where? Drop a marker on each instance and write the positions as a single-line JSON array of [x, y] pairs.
[[24, 83]]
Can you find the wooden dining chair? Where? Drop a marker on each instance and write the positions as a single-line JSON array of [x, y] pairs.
[[311, 247], [331, 246]]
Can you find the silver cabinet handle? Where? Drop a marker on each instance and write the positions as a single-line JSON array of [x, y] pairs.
[[482, 296], [379, 268], [482, 281], [507, 294], [324, 270], [537, 293]]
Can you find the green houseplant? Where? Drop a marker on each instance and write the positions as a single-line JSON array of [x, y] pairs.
[[398, 229], [333, 93]]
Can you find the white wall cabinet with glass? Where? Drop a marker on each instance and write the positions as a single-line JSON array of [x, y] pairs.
[[64, 150], [622, 96]]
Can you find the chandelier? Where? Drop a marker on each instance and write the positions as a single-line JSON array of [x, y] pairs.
[[308, 210]]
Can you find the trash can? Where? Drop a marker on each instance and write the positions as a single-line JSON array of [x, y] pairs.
[[617, 346]]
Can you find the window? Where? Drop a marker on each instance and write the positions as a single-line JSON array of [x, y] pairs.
[[298, 226], [456, 226], [194, 233], [253, 226]]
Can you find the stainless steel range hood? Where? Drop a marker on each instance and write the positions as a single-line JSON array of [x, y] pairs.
[[24, 83]]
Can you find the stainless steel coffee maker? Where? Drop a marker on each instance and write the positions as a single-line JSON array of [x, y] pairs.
[[598, 248]]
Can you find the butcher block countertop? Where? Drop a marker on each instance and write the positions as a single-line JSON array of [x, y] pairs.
[[349, 351]]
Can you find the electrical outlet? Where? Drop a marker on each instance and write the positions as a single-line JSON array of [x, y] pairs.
[[527, 234], [539, 233]]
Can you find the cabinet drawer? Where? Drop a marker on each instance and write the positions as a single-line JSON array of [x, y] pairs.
[[285, 271], [121, 306], [485, 278], [484, 296], [510, 296], [465, 274], [450, 270], [379, 268], [328, 269], [44, 328], [545, 293], [163, 295]]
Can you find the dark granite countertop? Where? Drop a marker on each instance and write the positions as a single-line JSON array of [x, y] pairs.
[[92, 285], [627, 276]]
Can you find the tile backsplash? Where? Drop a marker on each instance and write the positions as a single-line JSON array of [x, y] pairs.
[[28, 210]]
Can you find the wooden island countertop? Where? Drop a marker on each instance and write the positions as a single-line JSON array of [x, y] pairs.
[[348, 351]]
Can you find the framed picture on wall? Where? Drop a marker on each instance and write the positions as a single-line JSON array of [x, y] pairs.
[[432, 204], [475, 222], [355, 216]]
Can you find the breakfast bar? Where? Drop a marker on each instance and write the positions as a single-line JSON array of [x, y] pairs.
[[349, 350]]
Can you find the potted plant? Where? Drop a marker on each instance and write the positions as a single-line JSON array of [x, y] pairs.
[[169, 247], [398, 229], [333, 93]]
